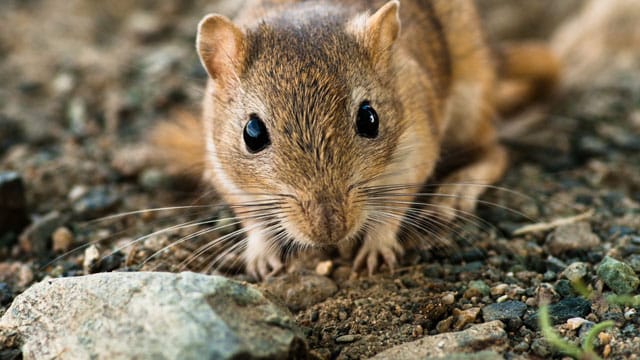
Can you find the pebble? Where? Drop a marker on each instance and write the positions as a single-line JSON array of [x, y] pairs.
[[564, 288], [619, 276], [418, 331], [571, 237], [299, 291], [13, 205], [576, 322], [76, 192], [541, 348], [449, 299], [562, 311], [91, 257], [487, 336], [18, 275], [96, 202], [6, 295], [62, 239], [499, 290], [630, 314], [35, 239], [509, 312], [604, 337], [346, 339], [465, 317], [324, 268], [477, 288], [575, 272], [444, 325]]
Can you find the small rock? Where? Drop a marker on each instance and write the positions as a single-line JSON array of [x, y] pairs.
[[6, 295], [346, 339], [562, 311], [575, 272], [509, 312], [449, 299], [35, 239], [418, 331], [62, 239], [630, 314], [13, 205], [477, 288], [499, 290], [605, 338], [18, 275], [150, 314], [575, 323], [91, 257], [487, 336], [564, 288], [465, 317], [541, 348], [76, 192], [480, 355], [300, 291], [96, 202], [619, 276], [444, 325], [571, 237], [324, 268]]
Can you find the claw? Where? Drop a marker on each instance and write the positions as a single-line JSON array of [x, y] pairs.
[[372, 250], [264, 267]]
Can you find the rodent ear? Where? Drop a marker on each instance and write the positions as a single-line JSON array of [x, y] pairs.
[[220, 45], [383, 27]]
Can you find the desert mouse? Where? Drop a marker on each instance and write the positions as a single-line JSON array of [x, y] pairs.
[[323, 119]]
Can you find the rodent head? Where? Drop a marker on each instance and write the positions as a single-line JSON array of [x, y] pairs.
[[302, 107]]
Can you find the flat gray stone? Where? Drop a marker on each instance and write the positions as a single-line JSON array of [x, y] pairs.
[[488, 336], [147, 315]]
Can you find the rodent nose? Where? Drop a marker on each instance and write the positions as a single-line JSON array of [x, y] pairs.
[[328, 223]]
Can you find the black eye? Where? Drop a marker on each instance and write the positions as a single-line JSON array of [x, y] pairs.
[[255, 134], [367, 121]]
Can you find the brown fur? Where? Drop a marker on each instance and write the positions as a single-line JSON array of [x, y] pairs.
[[304, 67]]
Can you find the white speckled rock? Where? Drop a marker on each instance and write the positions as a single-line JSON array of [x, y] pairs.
[[150, 315], [487, 336]]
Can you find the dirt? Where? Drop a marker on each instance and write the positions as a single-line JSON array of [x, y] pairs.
[[82, 84]]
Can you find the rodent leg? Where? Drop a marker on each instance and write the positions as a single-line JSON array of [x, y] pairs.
[[459, 191], [262, 260], [380, 241]]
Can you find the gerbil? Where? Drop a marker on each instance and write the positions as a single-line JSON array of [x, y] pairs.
[[322, 119]]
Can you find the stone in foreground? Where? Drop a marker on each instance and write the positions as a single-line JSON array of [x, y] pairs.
[[150, 315], [488, 336], [619, 276]]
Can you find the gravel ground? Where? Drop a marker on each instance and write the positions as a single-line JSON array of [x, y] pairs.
[[82, 84]]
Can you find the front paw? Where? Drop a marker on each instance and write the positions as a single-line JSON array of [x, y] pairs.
[[373, 249], [264, 266]]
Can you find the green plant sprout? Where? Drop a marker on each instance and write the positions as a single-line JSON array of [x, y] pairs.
[[586, 352]]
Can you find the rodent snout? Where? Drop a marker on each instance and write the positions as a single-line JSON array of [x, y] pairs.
[[324, 222]]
